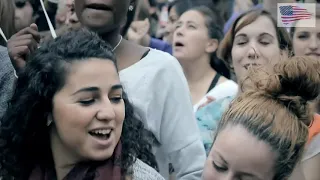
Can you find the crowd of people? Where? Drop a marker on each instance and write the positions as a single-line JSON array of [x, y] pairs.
[[158, 90]]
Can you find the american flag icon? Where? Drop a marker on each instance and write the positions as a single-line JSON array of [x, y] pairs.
[[290, 14]]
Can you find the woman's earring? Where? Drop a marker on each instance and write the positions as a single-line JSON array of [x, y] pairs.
[[49, 120], [131, 7]]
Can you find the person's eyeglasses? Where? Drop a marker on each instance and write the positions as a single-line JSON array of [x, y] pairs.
[[20, 3]]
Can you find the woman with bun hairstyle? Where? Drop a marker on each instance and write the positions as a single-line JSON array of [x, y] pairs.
[[263, 133]]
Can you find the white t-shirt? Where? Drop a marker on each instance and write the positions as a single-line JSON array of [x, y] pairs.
[[225, 89], [312, 149], [158, 89]]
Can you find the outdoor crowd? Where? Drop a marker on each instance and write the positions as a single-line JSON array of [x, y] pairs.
[[158, 90]]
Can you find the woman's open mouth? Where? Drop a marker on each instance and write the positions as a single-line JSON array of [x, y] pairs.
[[101, 7], [102, 134]]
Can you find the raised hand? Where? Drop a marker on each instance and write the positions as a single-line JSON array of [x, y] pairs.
[[22, 44]]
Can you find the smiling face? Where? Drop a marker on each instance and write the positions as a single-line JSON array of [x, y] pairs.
[[191, 39], [306, 41], [102, 15], [255, 44], [88, 112], [237, 154]]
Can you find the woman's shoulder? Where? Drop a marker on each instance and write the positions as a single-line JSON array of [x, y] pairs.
[[154, 53], [216, 107], [161, 59], [156, 67], [223, 90], [142, 171], [208, 119], [155, 61]]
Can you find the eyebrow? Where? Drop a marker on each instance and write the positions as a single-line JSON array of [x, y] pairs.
[[266, 34], [87, 89], [188, 22], [262, 34], [95, 89], [116, 87], [221, 157], [242, 34], [192, 22], [304, 31], [241, 173]]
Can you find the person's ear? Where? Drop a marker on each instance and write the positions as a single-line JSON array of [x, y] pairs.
[[212, 45]]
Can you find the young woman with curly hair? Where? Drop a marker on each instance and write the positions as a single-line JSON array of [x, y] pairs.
[[168, 113], [70, 119]]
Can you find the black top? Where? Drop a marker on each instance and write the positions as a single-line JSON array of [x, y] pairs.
[[214, 82]]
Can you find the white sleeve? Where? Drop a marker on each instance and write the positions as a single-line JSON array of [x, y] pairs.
[[179, 134]]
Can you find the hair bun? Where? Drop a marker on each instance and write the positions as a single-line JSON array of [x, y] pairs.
[[297, 77], [295, 82]]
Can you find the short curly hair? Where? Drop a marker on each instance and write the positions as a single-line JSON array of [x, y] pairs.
[[24, 137]]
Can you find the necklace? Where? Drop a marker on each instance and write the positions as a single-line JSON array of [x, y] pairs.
[[117, 44]]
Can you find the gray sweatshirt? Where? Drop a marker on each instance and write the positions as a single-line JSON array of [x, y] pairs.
[[7, 79]]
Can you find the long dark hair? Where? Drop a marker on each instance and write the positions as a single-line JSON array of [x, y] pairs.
[[7, 10], [24, 137]]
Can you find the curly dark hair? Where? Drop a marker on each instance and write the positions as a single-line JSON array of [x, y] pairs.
[[24, 137]]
